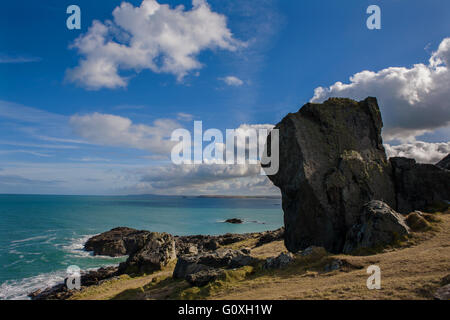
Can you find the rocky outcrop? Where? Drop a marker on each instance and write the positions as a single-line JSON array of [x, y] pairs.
[[211, 243], [270, 236], [201, 259], [444, 163], [157, 252], [419, 186], [207, 266], [282, 261], [203, 277], [117, 242], [332, 162], [379, 225], [60, 291]]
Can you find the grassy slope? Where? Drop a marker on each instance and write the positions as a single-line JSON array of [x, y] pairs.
[[412, 271]]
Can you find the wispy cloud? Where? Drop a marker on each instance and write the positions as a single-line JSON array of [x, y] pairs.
[[37, 145], [19, 180], [4, 58], [14, 111], [34, 153], [53, 139], [232, 81], [184, 116]]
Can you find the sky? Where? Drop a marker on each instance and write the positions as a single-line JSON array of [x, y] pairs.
[[91, 111]]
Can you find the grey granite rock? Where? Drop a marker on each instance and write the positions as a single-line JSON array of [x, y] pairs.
[[332, 161], [157, 252], [419, 186], [380, 225]]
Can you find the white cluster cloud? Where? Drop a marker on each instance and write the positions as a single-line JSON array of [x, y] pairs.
[[112, 130], [423, 152], [152, 36], [232, 81], [413, 101]]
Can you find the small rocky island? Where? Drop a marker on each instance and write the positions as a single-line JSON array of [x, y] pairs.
[[340, 194], [234, 221]]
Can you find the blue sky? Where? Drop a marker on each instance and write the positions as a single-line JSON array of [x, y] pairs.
[[259, 61]]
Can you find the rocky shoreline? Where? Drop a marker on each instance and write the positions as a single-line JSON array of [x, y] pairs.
[[200, 258]]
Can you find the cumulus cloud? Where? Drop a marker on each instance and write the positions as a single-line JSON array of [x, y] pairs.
[[112, 130], [413, 101], [152, 36], [232, 81], [423, 152]]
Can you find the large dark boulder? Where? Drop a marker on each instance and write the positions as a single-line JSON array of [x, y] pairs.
[[117, 242], [332, 162], [419, 186], [379, 226]]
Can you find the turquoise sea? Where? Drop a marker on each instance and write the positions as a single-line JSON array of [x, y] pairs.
[[40, 235]]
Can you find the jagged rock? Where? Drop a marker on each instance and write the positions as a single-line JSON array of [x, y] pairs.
[[187, 265], [443, 293], [318, 251], [57, 292], [191, 250], [95, 277], [231, 238], [242, 259], [444, 163], [234, 221], [203, 277], [61, 292], [332, 161], [334, 265], [211, 245], [117, 242], [419, 186], [270, 236], [283, 260], [417, 222], [157, 252], [222, 258], [379, 225]]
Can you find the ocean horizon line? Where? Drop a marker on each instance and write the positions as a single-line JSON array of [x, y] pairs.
[[218, 196]]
